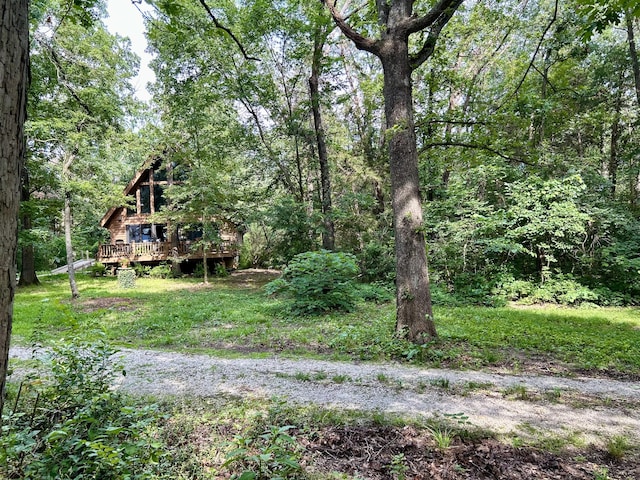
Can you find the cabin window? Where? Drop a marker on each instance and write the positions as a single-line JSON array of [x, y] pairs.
[[145, 233], [134, 233], [145, 199], [193, 232], [131, 210], [160, 233], [158, 197]]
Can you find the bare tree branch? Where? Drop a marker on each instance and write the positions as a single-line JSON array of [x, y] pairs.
[[228, 31], [476, 146], [361, 42], [451, 122], [416, 24], [430, 43], [533, 58], [62, 76]]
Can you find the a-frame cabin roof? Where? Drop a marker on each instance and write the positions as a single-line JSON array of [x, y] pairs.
[[130, 186]]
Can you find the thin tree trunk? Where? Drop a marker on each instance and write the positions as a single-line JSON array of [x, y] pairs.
[[414, 311], [67, 230], [633, 53], [14, 54], [328, 234], [616, 132], [28, 265]]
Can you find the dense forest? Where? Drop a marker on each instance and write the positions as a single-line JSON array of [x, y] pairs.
[[525, 119]]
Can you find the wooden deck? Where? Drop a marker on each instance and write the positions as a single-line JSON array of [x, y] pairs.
[[152, 252]]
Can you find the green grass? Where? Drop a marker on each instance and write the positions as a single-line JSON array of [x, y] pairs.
[[227, 318]]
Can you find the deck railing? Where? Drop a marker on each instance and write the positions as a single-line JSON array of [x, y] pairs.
[[159, 251]]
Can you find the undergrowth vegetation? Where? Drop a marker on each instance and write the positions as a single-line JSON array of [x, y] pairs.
[[65, 422]]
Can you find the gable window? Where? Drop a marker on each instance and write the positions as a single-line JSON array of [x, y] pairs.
[[158, 197], [145, 199]]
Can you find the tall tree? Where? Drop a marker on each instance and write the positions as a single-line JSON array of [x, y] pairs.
[[14, 52], [84, 74], [397, 22]]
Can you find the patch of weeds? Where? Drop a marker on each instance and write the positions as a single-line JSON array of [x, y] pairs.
[[519, 392], [319, 376], [548, 442], [553, 395], [442, 436], [601, 474], [272, 454], [302, 376], [70, 420], [340, 378], [442, 383], [470, 386], [382, 378], [618, 446], [398, 467]]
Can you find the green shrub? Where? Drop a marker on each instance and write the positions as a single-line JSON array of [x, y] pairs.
[[377, 262], [318, 282], [68, 423], [560, 289], [221, 270], [377, 292], [141, 270], [271, 455], [97, 270], [160, 271]]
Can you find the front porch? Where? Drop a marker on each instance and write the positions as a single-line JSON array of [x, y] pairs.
[[156, 252]]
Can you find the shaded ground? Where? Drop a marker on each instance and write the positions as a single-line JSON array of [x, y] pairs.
[[380, 453]]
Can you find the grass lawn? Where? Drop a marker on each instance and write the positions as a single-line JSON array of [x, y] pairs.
[[231, 317]]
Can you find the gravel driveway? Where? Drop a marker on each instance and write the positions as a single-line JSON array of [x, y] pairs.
[[593, 407]]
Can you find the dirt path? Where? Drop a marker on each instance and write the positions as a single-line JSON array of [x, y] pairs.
[[595, 408]]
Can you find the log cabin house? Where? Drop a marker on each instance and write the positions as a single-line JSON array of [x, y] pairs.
[[137, 238]]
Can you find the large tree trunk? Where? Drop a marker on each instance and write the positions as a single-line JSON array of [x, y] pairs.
[[28, 265], [398, 21], [14, 51], [328, 234], [413, 296]]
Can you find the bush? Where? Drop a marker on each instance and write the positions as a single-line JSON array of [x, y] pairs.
[[560, 289], [160, 271], [221, 270], [377, 262], [141, 270], [377, 292], [318, 282], [97, 270], [70, 424]]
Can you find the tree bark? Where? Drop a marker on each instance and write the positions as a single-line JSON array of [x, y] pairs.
[[14, 54], [633, 53], [67, 229], [28, 265], [414, 311], [397, 21], [328, 234]]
